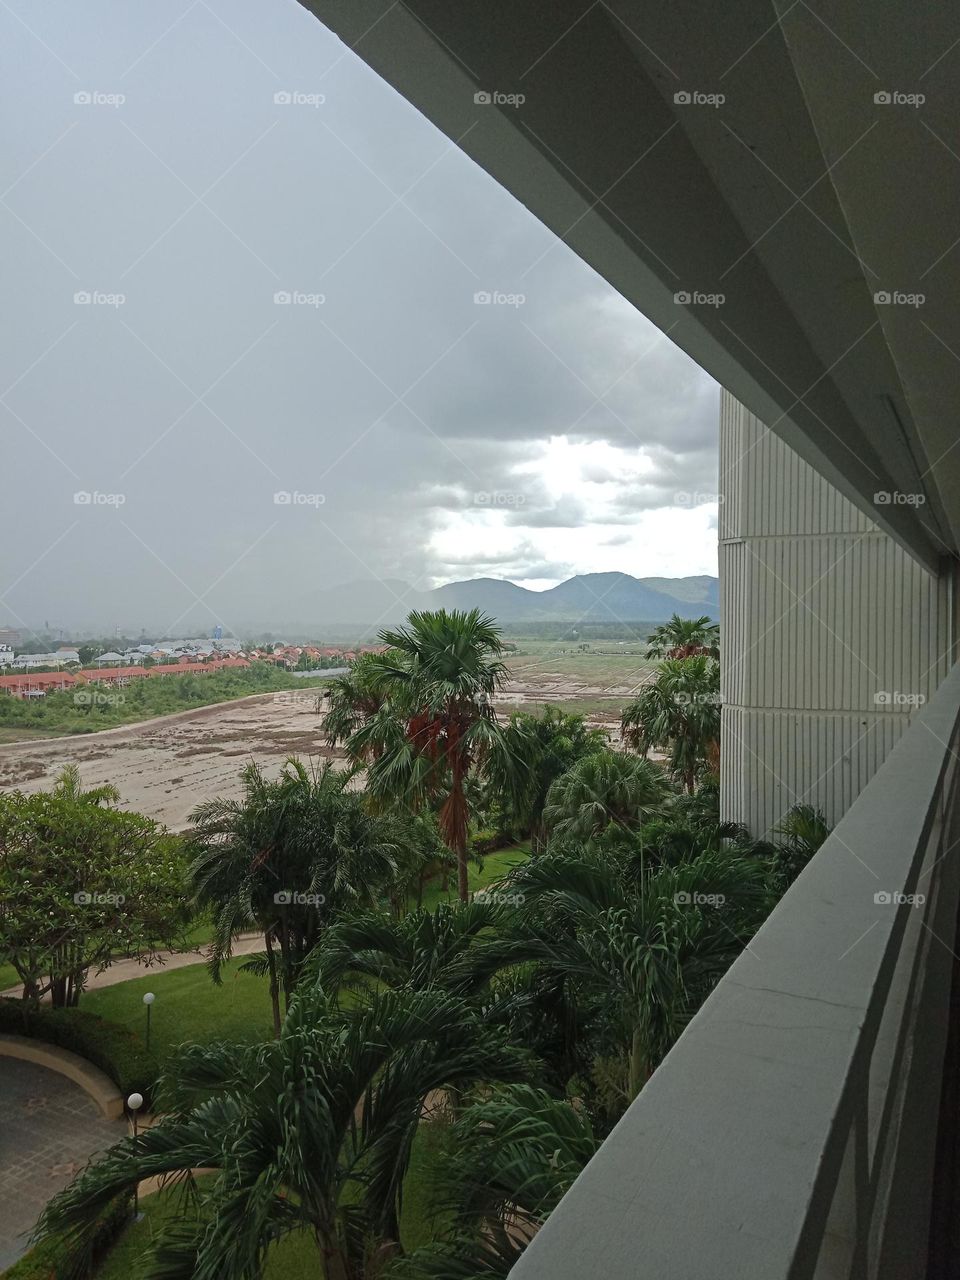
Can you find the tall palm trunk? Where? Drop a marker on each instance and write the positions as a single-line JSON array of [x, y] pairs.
[[274, 984]]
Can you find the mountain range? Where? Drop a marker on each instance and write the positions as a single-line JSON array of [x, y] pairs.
[[588, 597]]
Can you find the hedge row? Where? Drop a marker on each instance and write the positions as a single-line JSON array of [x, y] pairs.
[[115, 1050]]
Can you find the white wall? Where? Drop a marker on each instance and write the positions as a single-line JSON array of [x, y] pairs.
[[821, 612]]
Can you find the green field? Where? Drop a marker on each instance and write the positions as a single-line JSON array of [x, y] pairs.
[[22, 719]]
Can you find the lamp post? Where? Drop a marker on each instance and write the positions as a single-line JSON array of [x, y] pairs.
[[148, 1000], [135, 1102]]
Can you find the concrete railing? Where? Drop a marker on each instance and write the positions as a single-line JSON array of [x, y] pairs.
[[791, 1132]]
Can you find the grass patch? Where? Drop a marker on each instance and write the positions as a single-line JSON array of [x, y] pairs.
[[495, 867], [143, 699], [189, 1007]]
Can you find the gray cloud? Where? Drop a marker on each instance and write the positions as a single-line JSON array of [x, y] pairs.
[[394, 400]]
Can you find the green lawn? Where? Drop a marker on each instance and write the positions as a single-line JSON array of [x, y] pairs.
[[495, 867], [189, 1006]]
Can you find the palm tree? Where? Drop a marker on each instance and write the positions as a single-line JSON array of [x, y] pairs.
[[437, 722], [547, 745], [284, 858], [352, 699], [804, 829], [646, 951], [679, 712], [309, 1133], [442, 948], [684, 638], [511, 1158], [68, 786], [603, 788]]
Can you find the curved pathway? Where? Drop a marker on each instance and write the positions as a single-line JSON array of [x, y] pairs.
[[123, 970], [50, 1129]]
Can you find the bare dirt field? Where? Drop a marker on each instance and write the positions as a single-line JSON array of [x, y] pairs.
[[164, 767]]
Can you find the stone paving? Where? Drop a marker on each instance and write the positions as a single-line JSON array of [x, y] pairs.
[[49, 1129]]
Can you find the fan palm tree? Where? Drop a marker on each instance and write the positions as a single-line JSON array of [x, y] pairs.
[[352, 699], [803, 830], [679, 712], [546, 745], [603, 788], [283, 859], [310, 1133], [437, 722], [685, 638]]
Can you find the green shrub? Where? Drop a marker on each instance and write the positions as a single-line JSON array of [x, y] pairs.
[[115, 1050], [487, 840], [47, 1260]]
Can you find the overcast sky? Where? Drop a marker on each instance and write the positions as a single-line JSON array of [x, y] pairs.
[[420, 435]]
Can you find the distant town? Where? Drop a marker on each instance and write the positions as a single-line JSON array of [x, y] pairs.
[[28, 674]]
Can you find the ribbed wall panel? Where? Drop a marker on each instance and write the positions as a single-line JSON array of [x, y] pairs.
[[821, 613]]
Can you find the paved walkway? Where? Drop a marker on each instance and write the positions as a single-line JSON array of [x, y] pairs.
[[123, 970], [50, 1129]]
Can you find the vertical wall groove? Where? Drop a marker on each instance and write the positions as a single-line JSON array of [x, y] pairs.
[[822, 614]]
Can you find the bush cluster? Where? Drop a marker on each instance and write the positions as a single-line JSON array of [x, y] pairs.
[[115, 1050]]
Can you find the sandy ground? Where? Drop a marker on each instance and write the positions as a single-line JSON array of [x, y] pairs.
[[164, 767]]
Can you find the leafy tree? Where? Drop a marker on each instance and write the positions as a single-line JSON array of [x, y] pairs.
[[285, 858], [309, 1133], [80, 883], [679, 712], [437, 721], [603, 788], [685, 638], [545, 746]]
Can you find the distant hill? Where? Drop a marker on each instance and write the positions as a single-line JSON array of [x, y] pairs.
[[589, 597]]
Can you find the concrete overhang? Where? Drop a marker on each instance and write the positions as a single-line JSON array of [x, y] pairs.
[[803, 199]]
